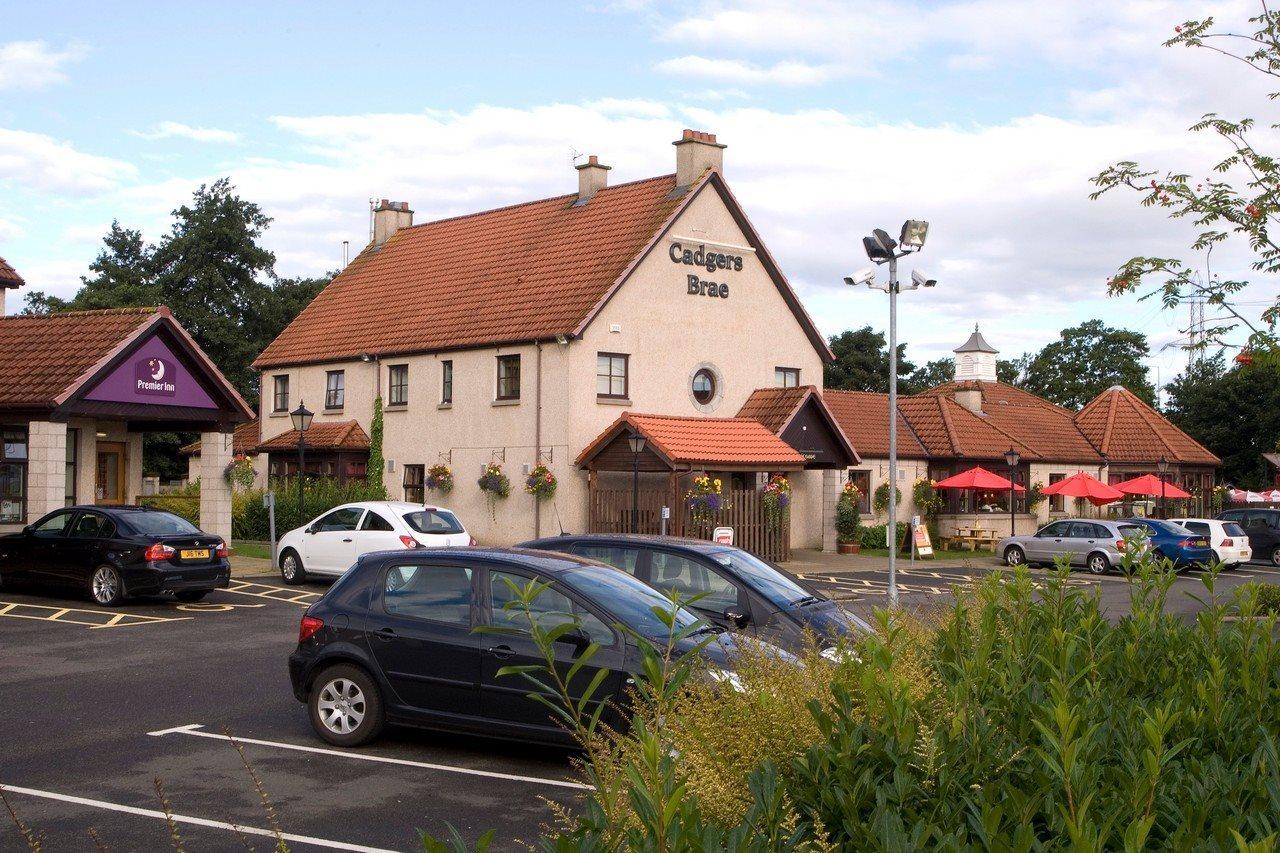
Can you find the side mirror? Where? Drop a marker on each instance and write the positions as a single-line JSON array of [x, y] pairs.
[[310, 531], [736, 617], [29, 529]]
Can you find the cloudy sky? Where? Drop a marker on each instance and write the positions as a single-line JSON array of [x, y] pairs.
[[986, 117]]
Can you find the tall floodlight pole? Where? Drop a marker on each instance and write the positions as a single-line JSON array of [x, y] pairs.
[[882, 249]]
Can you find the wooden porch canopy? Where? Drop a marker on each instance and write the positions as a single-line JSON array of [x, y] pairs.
[[676, 443]]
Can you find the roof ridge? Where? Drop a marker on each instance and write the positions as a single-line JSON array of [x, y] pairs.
[[1110, 426], [520, 204], [87, 312], [1013, 438], [956, 449], [1143, 409]]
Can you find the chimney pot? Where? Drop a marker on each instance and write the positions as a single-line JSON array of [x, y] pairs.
[[696, 152], [593, 176], [388, 218]]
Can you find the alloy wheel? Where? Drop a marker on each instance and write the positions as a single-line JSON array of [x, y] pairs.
[[1098, 564], [1275, 557], [342, 707], [1014, 556], [106, 585], [289, 567]]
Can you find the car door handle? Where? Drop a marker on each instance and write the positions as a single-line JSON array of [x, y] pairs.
[[501, 652], [346, 540], [385, 634]]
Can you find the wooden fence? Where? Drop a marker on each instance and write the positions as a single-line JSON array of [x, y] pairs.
[[609, 511]]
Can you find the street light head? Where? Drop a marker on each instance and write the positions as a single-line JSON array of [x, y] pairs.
[[861, 277], [1162, 465], [637, 442], [875, 251], [1012, 457], [919, 279], [914, 232], [301, 417]]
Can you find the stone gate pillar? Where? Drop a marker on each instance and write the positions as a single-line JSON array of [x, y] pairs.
[[215, 491], [46, 468]]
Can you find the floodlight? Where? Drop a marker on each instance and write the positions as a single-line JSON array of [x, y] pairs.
[[861, 277], [914, 232], [874, 250], [886, 242], [919, 279]]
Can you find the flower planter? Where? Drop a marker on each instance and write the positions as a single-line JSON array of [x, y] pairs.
[[848, 547]]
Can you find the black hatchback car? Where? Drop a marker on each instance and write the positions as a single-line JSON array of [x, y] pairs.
[[738, 591], [395, 640], [115, 552], [1262, 526]]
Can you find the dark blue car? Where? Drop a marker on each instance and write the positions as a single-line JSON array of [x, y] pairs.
[[1174, 542]]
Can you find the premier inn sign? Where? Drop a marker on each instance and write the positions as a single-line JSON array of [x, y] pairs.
[[710, 261]]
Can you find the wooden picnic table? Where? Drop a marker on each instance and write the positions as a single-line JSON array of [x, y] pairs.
[[971, 538]]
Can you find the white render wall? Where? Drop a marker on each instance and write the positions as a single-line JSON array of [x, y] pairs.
[[668, 334]]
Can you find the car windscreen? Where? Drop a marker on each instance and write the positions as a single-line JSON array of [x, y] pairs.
[[433, 521], [1166, 528], [155, 523], [629, 600], [1233, 529], [778, 589]]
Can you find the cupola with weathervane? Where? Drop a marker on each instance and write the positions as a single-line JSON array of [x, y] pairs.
[[976, 359]]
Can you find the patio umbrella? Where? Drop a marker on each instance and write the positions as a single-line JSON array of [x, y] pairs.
[[1082, 485], [978, 478], [1152, 486]]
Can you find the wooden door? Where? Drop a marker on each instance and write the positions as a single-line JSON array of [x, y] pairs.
[[109, 483]]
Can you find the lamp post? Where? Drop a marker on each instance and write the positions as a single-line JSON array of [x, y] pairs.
[[882, 249], [301, 418], [1162, 465], [637, 442], [1012, 458]]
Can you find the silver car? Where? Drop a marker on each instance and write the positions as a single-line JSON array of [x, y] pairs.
[[1093, 543]]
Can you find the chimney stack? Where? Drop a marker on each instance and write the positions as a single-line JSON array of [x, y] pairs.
[[592, 177], [388, 218], [696, 152]]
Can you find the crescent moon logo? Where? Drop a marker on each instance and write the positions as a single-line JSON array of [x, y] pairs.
[[157, 369]]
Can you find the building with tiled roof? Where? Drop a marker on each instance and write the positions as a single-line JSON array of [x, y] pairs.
[[518, 336], [9, 279]]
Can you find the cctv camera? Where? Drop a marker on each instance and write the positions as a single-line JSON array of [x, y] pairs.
[[919, 279], [866, 276]]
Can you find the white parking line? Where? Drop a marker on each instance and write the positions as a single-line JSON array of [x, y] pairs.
[[194, 821], [193, 729]]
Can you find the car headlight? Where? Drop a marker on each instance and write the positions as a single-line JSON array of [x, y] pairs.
[[725, 676]]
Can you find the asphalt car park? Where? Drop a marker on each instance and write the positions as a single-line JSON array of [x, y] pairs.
[[100, 709]]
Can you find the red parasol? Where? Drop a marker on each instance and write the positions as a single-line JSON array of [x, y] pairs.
[[1082, 485], [1151, 486], [980, 479]]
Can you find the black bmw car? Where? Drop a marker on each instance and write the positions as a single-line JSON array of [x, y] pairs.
[[738, 591], [115, 552], [394, 640]]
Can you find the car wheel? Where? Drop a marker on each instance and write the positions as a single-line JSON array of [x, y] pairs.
[[346, 706], [1014, 556], [1098, 563], [291, 570], [106, 586], [1275, 556], [191, 594]]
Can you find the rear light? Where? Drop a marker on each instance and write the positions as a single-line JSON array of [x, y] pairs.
[[1227, 543], [158, 553], [1189, 543], [222, 550], [409, 541], [1119, 544], [471, 540], [308, 628]]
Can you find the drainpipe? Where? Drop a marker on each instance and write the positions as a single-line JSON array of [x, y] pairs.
[[537, 431]]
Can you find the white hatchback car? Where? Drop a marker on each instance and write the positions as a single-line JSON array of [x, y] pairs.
[[330, 544], [1229, 541]]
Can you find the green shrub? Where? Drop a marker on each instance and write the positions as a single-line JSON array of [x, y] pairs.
[[249, 517], [848, 519], [1269, 598], [185, 505], [873, 536]]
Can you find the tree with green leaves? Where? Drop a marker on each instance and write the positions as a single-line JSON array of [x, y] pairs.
[[1234, 412], [1085, 361], [931, 375], [862, 362], [1232, 200]]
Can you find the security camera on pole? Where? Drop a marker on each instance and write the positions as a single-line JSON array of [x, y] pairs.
[[882, 249]]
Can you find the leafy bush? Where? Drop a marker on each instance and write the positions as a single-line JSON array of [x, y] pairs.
[[185, 505], [873, 537], [848, 519], [249, 517], [1269, 598]]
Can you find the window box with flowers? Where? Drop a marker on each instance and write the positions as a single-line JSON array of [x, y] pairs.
[[495, 485], [541, 483], [848, 520]]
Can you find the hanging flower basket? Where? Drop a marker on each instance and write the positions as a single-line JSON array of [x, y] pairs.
[[541, 483], [240, 472], [440, 479], [775, 498], [705, 500], [494, 483]]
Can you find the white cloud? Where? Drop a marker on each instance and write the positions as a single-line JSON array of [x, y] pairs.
[[34, 64], [788, 73], [41, 162], [171, 129]]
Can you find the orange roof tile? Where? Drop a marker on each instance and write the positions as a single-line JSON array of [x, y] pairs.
[[42, 355], [1126, 429], [1032, 421], [774, 407], [342, 435], [864, 418], [9, 276], [244, 440], [702, 442]]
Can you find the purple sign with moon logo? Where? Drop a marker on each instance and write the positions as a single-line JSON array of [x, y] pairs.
[[152, 374]]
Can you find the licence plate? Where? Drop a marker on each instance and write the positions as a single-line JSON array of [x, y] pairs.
[[194, 554]]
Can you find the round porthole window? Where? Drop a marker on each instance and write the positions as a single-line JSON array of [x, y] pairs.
[[704, 386]]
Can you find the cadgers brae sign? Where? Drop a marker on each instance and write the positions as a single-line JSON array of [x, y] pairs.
[[710, 261]]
